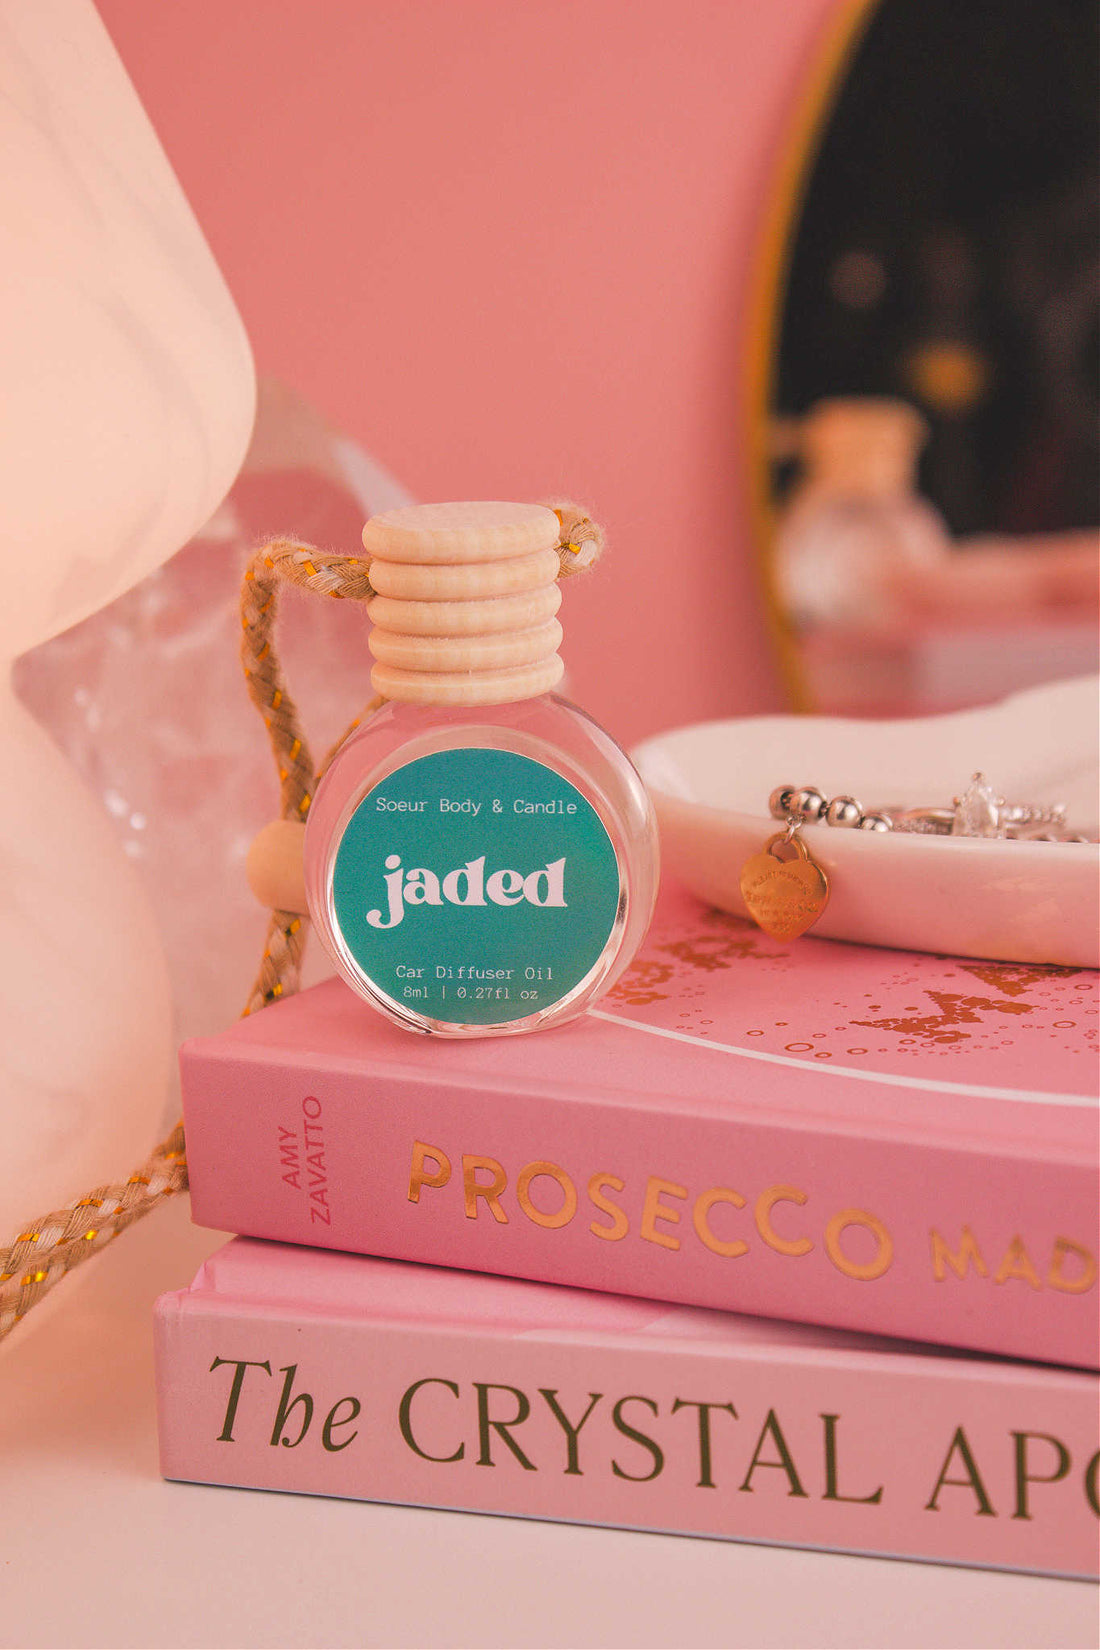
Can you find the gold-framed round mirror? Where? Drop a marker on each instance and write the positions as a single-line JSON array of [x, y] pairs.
[[923, 368]]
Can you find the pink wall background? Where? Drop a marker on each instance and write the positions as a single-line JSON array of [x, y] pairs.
[[506, 244]]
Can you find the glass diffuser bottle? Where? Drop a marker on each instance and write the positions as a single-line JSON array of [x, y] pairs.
[[480, 857]]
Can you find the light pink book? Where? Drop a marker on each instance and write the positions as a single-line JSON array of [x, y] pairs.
[[289, 1369], [874, 1140]]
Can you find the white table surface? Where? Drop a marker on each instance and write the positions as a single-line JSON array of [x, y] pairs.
[[96, 1550]]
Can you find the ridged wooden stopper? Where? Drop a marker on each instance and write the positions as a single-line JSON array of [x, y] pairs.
[[465, 603]]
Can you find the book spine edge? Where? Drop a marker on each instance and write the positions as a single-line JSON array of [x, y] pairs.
[[950, 1314], [194, 1421]]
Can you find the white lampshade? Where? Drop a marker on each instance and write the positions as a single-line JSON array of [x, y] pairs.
[[128, 383]]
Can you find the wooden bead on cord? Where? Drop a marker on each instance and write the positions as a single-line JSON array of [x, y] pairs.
[[274, 866]]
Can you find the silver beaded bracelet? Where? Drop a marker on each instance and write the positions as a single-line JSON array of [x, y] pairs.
[[978, 812]]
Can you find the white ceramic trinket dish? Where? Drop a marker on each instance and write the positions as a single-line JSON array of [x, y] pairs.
[[1013, 901]]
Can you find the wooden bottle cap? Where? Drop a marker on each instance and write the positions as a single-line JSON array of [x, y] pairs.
[[465, 601], [275, 866]]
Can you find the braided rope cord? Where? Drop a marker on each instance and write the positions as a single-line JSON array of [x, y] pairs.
[[48, 1248]]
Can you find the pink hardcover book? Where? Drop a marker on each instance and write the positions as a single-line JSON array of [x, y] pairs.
[[284, 1368], [875, 1140]]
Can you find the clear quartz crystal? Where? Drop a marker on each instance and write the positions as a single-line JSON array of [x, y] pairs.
[[182, 769], [977, 810], [548, 729]]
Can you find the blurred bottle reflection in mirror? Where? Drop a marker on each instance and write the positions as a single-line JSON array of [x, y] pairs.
[[935, 392]]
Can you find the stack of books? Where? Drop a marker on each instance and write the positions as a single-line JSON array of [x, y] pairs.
[[786, 1242]]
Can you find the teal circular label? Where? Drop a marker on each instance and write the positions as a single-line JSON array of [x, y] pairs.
[[475, 886]]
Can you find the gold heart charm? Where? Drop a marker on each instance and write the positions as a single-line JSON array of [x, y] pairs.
[[784, 896]]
